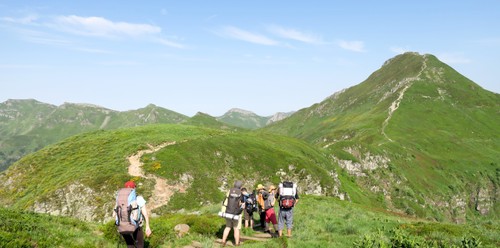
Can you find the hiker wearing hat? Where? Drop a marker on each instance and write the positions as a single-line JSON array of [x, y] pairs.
[[260, 205], [131, 213], [269, 201]]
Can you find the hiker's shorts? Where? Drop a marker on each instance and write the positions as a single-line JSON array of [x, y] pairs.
[[271, 216], [285, 216], [248, 215], [233, 223]]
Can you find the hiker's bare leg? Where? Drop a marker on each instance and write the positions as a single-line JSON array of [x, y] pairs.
[[289, 232], [280, 232], [225, 234], [237, 236]]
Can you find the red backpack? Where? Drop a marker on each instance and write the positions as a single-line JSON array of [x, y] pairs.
[[287, 191]]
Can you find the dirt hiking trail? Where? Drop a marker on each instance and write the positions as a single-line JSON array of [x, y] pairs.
[[162, 191]]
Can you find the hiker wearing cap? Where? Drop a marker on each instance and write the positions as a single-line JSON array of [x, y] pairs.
[[233, 207], [269, 201], [260, 205], [129, 222]]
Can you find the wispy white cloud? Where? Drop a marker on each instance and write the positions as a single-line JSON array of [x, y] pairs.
[[40, 37], [99, 26], [29, 19], [53, 31], [210, 17], [119, 63], [356, 46], [169, 43], [93, 50], [247, 36], [294, 34], [453, 58]]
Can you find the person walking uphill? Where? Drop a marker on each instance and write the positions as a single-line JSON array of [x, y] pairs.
[[288, 198], [232, 208], [131, 213]]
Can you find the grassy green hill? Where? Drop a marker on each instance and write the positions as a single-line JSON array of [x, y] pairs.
[[416, 133], [28, 125], [205, 120], [62, 178]]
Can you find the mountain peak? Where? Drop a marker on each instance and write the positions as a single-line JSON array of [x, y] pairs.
[[405, 55], [203, 114], [83, 105], [239, 111]]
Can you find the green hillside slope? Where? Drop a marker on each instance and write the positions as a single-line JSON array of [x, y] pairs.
[[205, 120], [62, 178], [29, 125], [422, 137]]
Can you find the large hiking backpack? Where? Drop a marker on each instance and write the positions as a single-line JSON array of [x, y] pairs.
[[268, 200], [127, 211], [232, 205], [251, 203], [287, 191]]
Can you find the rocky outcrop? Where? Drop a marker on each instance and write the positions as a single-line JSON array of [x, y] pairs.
[[483, 199], [78, 201], [367, 162]]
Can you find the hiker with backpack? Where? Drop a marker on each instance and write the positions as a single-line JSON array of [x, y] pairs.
[[288, 198], [130, 212], [250, 207], [269, 201], [260, 205], [232, 207]]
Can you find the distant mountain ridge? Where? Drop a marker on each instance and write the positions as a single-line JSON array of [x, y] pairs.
[[250, 120], [28, 125]]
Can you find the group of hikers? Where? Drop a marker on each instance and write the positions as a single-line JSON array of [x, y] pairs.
[[131, 214], [239, 203]]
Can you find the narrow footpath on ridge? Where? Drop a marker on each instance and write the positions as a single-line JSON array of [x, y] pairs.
[[162, 191], [407, 82]]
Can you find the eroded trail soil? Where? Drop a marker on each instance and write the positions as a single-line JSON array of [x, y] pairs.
[[163, 190]]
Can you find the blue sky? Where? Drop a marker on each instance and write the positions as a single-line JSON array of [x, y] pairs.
[[211, 56]]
